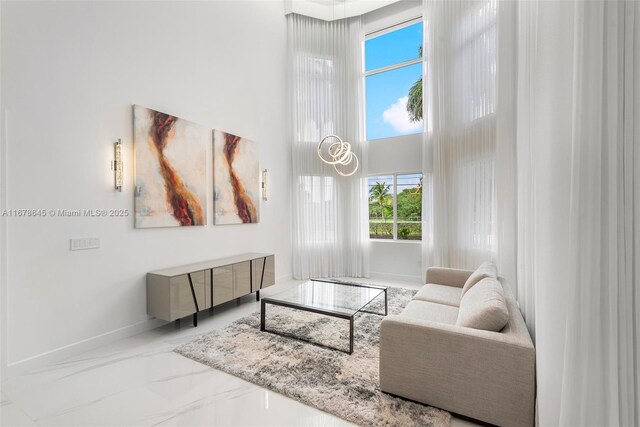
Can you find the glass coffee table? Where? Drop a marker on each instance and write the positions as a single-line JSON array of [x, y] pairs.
[[328, 297]]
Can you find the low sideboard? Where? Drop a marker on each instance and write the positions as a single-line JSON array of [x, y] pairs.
[[177, 292]]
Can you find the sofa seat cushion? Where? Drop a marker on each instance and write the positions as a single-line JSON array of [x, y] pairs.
[[486, 269], [441, 294], [484, 307], [423, 310]]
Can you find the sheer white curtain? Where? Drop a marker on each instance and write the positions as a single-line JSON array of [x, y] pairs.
[[602, 349], [526, 147], [460, 113], [506, 154], [326, 95], [578, 143]]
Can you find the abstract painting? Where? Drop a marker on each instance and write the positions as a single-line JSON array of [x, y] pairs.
[[236, 179], [170, 170]]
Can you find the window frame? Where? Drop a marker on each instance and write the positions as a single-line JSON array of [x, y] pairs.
[[382, 32], [395, 207], [420, 60]]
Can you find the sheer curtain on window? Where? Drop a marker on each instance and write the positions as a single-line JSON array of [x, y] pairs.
[[329, 211], [460, 113], [601, 383], [578, 144]]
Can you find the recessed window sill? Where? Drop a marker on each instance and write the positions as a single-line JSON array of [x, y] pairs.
[[394, 241]]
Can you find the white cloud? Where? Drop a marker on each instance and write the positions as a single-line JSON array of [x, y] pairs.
[[398, 117]]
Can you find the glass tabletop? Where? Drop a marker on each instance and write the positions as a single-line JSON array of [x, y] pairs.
[[345, 298]]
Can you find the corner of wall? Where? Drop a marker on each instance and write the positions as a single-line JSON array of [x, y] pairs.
[[3, 252], [288, 6], [3, 228], [3, 243]]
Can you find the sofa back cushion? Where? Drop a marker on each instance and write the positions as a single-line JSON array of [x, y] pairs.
[[484, 307], [486, 269]]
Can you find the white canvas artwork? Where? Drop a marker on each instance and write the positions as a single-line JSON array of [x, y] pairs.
[[170, 170], [236, 179]]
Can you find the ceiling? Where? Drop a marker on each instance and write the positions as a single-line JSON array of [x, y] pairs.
[[330, 10]]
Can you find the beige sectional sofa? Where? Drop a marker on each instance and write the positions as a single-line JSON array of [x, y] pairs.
[[463, 347]]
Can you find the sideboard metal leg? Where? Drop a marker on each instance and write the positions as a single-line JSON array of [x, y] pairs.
[[195, 320], [257, 295]]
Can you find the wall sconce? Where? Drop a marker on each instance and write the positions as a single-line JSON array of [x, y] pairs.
[[264, 184], [116, 165]]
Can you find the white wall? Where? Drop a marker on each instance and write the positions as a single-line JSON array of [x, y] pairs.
[[393, 14], [397, 260], [392, 259], [70, 74], [395, 155]]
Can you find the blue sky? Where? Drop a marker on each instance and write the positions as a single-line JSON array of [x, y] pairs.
[[386, 92]]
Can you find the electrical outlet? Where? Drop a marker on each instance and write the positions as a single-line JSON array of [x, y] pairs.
[[85, 243]]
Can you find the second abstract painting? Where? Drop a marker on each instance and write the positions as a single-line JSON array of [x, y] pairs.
[[236, 179]]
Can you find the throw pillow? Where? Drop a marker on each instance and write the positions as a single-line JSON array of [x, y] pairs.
[[486, 269], [484, 307]]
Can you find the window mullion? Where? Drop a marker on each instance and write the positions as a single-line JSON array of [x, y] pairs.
[[393, 67]]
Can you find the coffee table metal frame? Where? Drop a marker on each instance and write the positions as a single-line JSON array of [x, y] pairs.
[[317, 310]]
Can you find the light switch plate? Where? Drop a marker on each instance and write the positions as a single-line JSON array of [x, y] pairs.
[[85, 243]]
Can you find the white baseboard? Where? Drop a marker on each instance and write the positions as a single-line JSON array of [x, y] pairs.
[[397, 277], [74, 349], [59, 354]]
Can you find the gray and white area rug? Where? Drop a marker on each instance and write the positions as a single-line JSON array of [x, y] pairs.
[[314, 374]]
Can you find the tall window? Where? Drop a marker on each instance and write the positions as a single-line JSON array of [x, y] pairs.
[[393, 81], [475, 63], [395, 207]]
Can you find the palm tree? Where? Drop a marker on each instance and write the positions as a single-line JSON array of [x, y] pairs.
[[414, 104], [379, 193]]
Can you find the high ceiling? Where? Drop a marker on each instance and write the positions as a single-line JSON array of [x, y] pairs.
[[330, 10]]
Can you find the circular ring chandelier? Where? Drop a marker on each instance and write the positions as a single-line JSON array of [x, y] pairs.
[[340, 155]]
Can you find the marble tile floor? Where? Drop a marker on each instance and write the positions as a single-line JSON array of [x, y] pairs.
[[140, 381]]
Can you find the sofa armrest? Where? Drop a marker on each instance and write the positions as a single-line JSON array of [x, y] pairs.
[[485, 375], [447, 276]]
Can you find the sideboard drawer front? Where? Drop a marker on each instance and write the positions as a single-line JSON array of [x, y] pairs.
[[256, 273], [241, 279], [269, 272], [262, 280], [222, 284], [208, 289], [181, 297]]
